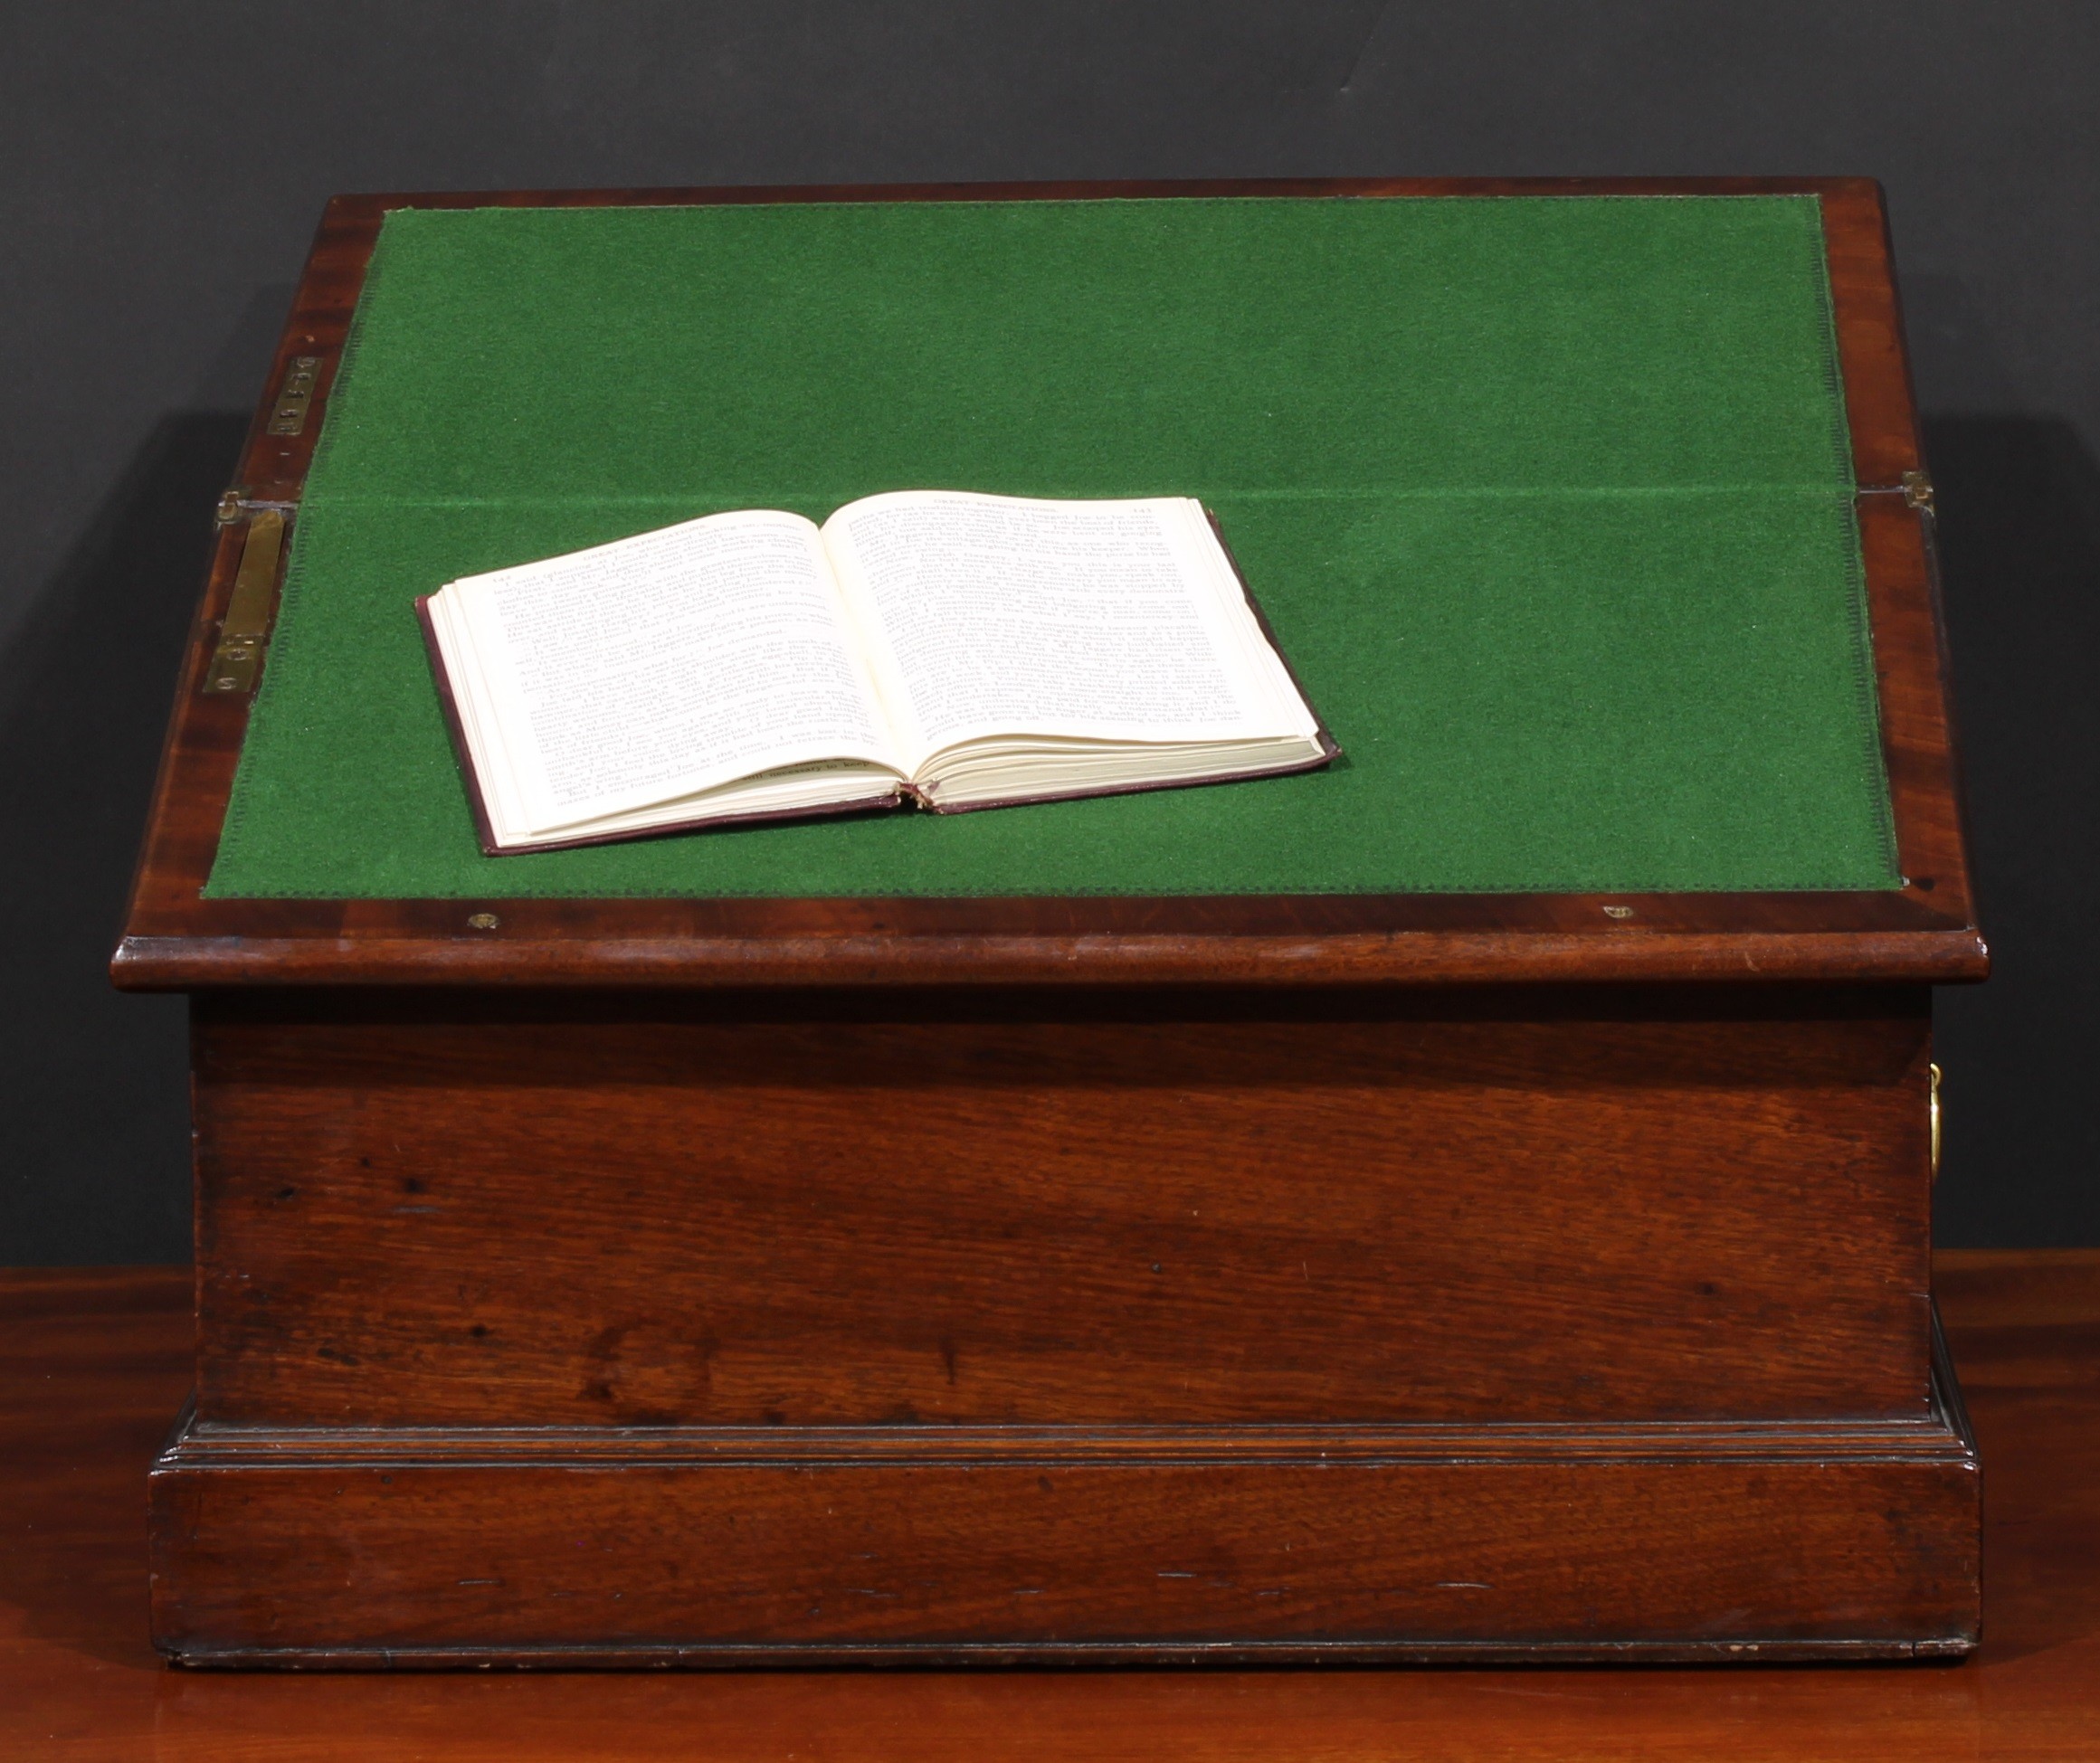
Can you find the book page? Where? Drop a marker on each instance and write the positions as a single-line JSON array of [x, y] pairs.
[[666, 664], [1103, 621]]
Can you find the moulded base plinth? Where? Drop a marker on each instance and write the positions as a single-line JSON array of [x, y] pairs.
[[752, 1546]]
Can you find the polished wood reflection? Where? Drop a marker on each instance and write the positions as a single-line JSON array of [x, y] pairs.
[[94, 1363]]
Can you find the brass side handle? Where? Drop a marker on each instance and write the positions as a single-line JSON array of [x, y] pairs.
[[1935, 1105]]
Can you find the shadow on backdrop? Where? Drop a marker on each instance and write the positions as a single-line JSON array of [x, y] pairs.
[[94, 1140], [2019, 540]]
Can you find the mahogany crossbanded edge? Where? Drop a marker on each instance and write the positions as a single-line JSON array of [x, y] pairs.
[[1867, 314], [1419, 958], [1926, 931]]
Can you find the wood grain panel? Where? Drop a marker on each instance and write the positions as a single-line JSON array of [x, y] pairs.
[[1442, 1210]]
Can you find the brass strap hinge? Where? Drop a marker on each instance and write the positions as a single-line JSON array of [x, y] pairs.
[[238, 659]]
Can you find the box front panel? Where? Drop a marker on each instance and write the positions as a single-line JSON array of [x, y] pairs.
[[579, 1212]]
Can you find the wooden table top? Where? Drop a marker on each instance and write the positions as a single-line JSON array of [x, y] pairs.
[[94, 1362]]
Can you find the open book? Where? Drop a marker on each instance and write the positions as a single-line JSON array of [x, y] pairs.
[[958, 651]]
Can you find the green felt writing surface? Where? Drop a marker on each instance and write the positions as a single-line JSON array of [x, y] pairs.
[[1549, 501]]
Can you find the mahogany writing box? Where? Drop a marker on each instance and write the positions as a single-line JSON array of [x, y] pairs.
[[1474, 1203]]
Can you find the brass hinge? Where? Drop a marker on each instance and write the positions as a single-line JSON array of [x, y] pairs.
[[288, 414], [239, 656], [236, 505], [1917, 490]]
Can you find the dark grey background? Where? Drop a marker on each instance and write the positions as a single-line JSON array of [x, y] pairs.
[[162, 167]]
